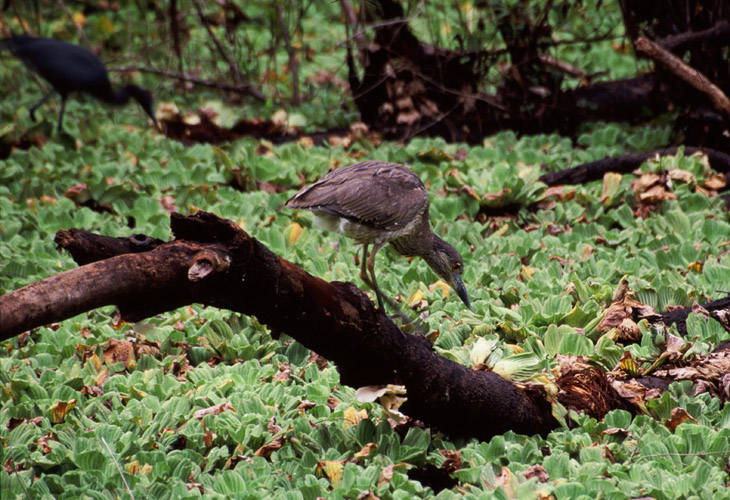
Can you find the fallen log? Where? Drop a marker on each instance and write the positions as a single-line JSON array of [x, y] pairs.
[[214, 262]]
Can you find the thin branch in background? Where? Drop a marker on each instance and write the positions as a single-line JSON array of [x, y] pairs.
[[111, 453], [174, 31], [221, 50], [78, 28], [241, 89], [296, 99], [352, 22]]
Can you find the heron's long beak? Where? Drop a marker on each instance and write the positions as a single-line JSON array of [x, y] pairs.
[[460, 289]]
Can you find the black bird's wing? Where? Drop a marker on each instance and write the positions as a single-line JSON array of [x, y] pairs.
[[377, 194], [68, 67]]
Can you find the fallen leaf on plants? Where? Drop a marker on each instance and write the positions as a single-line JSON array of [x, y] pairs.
[[214, 410], [267, 449], [60, 409]]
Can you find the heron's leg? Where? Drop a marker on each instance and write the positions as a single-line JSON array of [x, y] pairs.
[[60, 115], [369, 279], [363, 264], [43, 99]]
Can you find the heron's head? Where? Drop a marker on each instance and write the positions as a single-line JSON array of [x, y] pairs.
[[447, 264], [144, 98]]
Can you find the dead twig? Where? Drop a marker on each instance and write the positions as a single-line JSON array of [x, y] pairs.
[[78, 28], [684, 71], [221, 50], [185, 77], [293, 67]]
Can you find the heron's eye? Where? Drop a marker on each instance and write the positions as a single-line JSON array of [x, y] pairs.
[[456, 267]]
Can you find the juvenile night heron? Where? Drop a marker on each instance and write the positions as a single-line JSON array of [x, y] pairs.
[[69, 68], [376, 202]]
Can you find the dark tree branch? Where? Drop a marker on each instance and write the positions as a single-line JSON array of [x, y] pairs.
[[626, 164], [214, 262], [719, 33]]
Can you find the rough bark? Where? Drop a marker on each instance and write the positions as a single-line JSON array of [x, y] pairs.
[[214, 262]]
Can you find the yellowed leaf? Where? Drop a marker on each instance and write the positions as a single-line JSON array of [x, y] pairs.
[[132, 468], [60, 409], [294, 232], [79, 19], [333, 470], [415, 298], [352, 416], [611, 185]]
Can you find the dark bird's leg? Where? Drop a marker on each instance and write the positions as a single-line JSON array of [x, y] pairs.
[[60, 115], [43, 99]]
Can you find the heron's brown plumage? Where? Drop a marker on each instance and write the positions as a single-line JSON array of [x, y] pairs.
[[377, 202], [382, 195]]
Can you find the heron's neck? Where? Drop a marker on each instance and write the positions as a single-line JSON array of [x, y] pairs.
[[123, 95], [420, 241]]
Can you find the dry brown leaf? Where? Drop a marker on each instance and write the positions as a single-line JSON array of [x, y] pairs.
[[632, 391], [208, 439], [283, 374], [366, 450], [367, 495], [119, 351], [715, 182], [677, 174], [145, 346], [537, 471], [656, 194], [320, 361], [168, 203], [214, 410], [453, 460], [644, 182], [44, 444], [90, 390], [678, 416], [267, 449], [471, 192], [629, 330], [272, 427], [386, 475], [615, 314], [552, 191], [305, 405], [495, 196]]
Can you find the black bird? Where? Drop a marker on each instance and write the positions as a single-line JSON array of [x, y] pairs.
[[376, 202], [70, 68]]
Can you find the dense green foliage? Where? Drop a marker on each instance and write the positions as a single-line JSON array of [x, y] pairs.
[[77, 423]]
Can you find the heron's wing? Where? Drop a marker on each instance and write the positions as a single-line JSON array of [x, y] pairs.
[[66, 66], [378, 194]]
